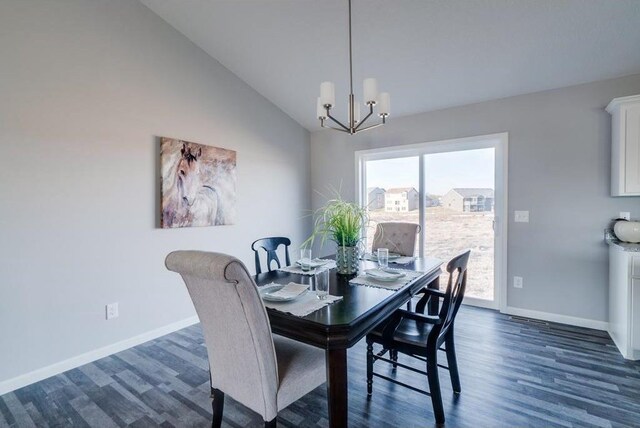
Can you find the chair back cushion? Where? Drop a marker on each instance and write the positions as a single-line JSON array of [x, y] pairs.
[[236, 327], [398, 237]]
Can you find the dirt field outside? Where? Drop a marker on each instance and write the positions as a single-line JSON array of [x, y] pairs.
[[449, 232]]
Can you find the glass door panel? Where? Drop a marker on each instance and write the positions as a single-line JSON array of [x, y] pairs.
[[391, 192], [459, 213]]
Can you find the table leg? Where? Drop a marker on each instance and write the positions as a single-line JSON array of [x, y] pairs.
[[434, 306], [337, 387]]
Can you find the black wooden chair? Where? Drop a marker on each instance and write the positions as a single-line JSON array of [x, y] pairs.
[[270, 245], [421, 336]]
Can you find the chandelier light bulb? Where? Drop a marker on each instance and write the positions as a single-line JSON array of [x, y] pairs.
[[328, 94], [385, 104], [370, 91]]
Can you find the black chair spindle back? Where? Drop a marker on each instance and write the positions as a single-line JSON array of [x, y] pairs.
[[457, 269], [270, 245]]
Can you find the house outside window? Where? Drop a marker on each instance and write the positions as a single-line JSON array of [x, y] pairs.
[[469, 199], [401, 199]]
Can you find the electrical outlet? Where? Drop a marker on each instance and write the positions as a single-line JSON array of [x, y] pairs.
[[517, 282], [112, 311], [625, 215], [521, 216]]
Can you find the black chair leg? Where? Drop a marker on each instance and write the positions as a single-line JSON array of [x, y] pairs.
[[369, 368], [218, 407], [434, 387], [450, 349], [393, 355], [271, 423]]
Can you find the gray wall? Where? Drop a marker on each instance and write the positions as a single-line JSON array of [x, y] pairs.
[[87, 86], [559, 170]]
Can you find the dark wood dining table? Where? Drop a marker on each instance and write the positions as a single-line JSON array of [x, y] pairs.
[[342, 324]]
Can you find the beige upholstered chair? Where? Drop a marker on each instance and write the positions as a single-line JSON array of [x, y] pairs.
[[264, 372], [397, 237]]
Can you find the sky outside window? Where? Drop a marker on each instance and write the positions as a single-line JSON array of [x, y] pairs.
[[443, 171]]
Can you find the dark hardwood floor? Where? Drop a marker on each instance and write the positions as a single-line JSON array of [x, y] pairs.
[[514, 372]]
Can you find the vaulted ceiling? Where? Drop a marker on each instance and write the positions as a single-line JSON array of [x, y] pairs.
[[428, 54]]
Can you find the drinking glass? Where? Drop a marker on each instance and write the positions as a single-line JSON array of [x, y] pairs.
[[321, 280], [305, 259], [383, 258]]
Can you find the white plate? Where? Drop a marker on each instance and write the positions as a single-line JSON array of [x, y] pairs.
[[315, 263], [392, 275], [265, 293]]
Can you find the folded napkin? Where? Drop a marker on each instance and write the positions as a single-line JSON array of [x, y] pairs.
[[303, 305], [314, 263], [331, 264], [290, 291], [379, 273], [410, 276], [403, 260]]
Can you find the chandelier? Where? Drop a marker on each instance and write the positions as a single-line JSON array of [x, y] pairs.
[[327, 100]]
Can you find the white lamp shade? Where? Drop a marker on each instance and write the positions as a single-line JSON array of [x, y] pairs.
[[384, 106], [328, 93], [321, 111], [370, 90]]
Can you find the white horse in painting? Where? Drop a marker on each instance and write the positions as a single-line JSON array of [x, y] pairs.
[[189, 200]]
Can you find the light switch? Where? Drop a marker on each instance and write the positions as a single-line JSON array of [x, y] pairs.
[[521, 217]]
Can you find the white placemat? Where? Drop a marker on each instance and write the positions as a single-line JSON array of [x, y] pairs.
[[410, 276], [303, 305], [404, 260], [294, 268]]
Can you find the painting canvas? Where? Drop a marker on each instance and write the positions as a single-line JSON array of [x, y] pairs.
[[198, 184]]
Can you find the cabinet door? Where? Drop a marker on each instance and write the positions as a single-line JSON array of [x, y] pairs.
[[632, 149]]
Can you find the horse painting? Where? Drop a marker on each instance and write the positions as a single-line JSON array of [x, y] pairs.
[[198, 184]]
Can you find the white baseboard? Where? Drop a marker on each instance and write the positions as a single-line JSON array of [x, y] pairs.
[[79, 360], [562, 319]]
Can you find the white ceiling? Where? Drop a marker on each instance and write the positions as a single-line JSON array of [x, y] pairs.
[[427, 54]]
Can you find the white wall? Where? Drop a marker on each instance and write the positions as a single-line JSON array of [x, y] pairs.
[[86, 88], [559, 170]]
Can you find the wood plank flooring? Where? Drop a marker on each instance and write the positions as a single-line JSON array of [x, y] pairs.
[[515, 373]]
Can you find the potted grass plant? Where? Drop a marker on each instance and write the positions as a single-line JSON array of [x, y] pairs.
[[343, 223]]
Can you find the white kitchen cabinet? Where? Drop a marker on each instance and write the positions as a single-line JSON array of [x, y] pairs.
[[624, 298], [625, 146]]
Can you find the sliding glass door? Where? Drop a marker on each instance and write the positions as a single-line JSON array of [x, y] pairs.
[[456, 191]]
